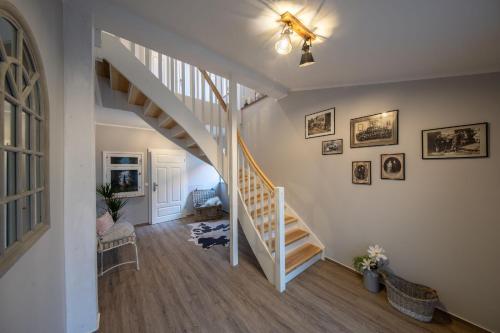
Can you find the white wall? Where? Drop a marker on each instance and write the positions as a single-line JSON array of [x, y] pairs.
[[440, 226], [79, 168], [32, 293], [114, 138]]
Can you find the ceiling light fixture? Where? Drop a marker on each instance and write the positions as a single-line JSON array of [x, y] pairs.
[[307, 58], [284, 44]]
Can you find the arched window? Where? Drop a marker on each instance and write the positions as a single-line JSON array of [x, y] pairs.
[[23, 114]]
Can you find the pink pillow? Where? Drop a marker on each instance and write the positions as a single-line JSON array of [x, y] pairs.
[[103, 223]]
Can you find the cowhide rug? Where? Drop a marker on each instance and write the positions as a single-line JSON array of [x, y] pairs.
[[208, 234]]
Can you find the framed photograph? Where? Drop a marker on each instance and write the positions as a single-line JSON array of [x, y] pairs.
[[465, 141], [362, 172], [380, 129], [124, 171], [392, 166], [320, 123], [332, 147]]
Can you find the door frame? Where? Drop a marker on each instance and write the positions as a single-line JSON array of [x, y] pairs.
[[184, 185]]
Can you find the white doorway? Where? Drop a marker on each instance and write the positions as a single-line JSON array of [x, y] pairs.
[[168, 190]]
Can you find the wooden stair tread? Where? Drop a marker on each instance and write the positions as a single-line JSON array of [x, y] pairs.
[[291, 236], [300, 255], [288, 219], [294, 235], [182, 134], [192, 144]]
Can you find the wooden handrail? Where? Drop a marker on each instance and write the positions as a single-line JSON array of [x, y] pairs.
[[269, 184], [216, 92], [241, 142]]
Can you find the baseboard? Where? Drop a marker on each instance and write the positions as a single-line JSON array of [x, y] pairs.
[[454, 316]]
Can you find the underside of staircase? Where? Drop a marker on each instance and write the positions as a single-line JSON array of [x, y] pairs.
[[114, 85], [282, 242]]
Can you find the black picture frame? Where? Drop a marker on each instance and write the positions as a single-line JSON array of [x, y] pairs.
[[486, 137], [402, 158], [369, 167], [335, 153], [332, 125], [395, 130]]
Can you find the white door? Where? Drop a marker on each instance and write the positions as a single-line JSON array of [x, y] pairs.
[[168, 184]]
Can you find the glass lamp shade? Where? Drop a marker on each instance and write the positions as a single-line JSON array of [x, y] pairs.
[[284, 44]]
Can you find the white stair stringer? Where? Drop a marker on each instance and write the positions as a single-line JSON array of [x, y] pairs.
[[255, 241], [139, 76]]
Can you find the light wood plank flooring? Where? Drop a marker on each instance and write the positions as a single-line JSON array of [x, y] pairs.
[[184, 288]]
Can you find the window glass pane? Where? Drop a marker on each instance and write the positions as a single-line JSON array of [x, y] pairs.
[[9, 124], [37, 135], [26, 161], [39, 172], [10, 175], [8, 86], [25, 130], [13, 69], [28, 60], [9, 37], [37, 105], [10, 219], [26, 211], [124, 160], [24, 82], [39, 209]]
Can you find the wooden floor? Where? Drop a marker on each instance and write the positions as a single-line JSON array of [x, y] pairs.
[[184, 288]]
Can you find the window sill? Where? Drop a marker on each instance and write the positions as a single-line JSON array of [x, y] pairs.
[[16, 251]]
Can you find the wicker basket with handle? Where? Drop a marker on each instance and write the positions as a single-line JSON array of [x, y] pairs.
[[205, 213], [414, 300]]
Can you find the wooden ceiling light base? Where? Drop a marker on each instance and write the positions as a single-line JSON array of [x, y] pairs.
[[297, 26]]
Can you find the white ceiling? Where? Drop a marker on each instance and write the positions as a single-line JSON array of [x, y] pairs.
[[367, 41]]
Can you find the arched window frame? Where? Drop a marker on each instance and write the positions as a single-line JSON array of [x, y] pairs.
[[24, 164]]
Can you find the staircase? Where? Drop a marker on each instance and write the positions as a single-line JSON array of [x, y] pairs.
[[188, 106]]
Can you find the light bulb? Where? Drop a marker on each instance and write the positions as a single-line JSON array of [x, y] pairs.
[[284, 44]]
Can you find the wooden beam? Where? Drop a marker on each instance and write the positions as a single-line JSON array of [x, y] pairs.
[[297, 26]]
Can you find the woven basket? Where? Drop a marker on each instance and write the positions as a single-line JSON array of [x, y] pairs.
[[205, 213], [414, 300]]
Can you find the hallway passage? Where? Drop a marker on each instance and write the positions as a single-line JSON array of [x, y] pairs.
[[184, 288]]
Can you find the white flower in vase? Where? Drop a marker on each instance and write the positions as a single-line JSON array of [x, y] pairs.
[[377, 253], [366, 264]]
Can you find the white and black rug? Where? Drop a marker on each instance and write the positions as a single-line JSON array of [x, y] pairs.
[[208, 234]]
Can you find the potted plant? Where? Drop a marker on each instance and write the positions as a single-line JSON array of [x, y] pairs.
[[113, 203], [369, 264]]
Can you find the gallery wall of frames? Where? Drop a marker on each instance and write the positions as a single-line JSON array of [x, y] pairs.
[[382, 129]]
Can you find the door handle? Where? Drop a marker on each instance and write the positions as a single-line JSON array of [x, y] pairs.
[[154, 186]]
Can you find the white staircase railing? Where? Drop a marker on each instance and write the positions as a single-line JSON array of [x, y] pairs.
[[261, 211], [190, 85], [264, 205]]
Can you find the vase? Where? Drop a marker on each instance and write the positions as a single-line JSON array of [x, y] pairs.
[[371, 281]]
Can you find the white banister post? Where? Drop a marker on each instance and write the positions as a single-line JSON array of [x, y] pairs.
[[279, 258], [232, 149]]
